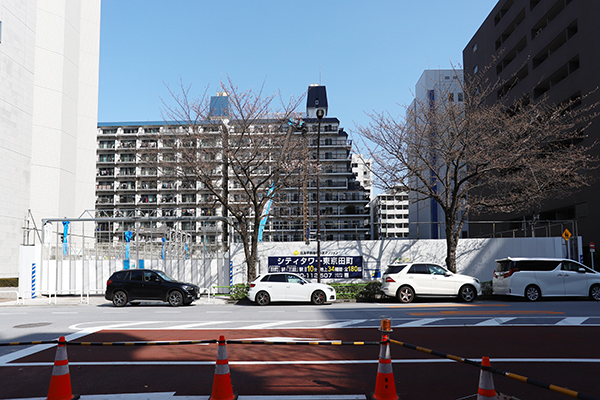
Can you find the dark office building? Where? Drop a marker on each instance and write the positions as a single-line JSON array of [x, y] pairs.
[[545, 49]]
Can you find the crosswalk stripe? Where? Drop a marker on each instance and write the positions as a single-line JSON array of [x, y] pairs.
[[495, 321], [572, 321]]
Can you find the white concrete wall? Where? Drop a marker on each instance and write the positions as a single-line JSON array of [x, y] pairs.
[[475, 257], [76, 274]]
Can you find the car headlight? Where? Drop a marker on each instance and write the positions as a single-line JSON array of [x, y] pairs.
[[188, 288], [477, 280], [331, 289]]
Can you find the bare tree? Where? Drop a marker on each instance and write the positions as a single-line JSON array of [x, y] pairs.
[[472, 157], [242, 150]]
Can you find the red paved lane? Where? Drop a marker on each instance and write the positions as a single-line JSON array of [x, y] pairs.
[[414, 380]]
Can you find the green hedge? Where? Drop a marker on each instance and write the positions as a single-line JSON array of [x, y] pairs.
[[239, 291], [354, 291], [358, 291]]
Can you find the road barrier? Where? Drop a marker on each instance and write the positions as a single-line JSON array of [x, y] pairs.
[[385, 383]]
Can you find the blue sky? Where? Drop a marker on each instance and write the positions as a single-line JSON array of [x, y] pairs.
[[369, 54]]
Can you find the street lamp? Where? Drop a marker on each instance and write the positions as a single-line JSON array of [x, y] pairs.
[[320, 115]]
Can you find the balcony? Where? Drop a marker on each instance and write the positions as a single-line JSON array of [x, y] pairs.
[[106, 172], [105, 186]]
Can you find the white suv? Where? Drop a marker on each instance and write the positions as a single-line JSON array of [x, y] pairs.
[[405, 281], [533, 278]]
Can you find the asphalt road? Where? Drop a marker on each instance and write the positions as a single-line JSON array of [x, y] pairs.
[[552, 342]]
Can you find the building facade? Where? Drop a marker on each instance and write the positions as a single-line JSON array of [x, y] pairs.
[[49, 53], [391, 214], [127, 186], [433, 87], [545, 50]]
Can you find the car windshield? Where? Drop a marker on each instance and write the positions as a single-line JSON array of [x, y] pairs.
[[165, 276]]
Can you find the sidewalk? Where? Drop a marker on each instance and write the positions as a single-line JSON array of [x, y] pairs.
[[8, 297]]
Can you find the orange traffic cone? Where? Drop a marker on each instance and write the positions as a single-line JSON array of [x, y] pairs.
[[486, 383], [385, 386], [60, 383], [222, 389]]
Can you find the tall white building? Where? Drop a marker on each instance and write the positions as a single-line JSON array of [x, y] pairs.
[[390, 214], [434, 86], [49, 60]]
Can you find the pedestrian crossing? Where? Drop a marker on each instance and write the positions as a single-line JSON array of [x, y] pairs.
[[534, 320]]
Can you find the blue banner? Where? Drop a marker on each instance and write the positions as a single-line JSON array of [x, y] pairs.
[[128, 236], [65, 235]]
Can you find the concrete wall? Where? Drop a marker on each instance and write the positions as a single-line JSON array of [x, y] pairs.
[[475, 257]]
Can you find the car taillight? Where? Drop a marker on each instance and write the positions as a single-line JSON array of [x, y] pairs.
[[252, 284], [108, 282], [389, 279], [512, 271]]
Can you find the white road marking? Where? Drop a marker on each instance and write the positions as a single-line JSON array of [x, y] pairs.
[[197, 325], [495, 321], [572, 321], [307, 362], [270, 324], [6, 359], [418, 322], [344, 323]]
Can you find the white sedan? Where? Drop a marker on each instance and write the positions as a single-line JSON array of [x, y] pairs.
[[288, 287], [405, 281]]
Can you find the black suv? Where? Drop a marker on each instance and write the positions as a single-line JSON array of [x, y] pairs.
[[148, 284]]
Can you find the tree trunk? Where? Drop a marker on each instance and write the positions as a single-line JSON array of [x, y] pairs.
[[451, 243]]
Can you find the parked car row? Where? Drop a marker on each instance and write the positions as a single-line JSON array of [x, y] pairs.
[[531, 278]]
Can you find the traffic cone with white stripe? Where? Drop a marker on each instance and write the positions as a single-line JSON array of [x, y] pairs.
[[60, 383], [222, 389], [385, 386], [486, 383]]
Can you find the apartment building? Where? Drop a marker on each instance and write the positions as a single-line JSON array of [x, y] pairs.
[[545, 50], [391, 214], [126, 185], [49, 58]]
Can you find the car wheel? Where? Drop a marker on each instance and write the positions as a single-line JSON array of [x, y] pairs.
[[532, 293], [263, 298], [595, 292], [467, 293], [318, 297], [175, 298], [405, 294], [119, 298]]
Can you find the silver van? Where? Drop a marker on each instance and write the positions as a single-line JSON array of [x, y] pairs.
[[533, 278]]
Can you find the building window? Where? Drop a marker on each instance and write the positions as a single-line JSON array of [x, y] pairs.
[[461, 96], [475, 69], [474, 47]]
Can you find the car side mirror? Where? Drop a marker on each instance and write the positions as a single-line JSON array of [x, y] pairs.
[[157, 279], [448, 274], [581, 270]]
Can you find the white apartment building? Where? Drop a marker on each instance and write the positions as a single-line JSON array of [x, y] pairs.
[[127, 186], [434, 86], [49, 61], [391, 214]]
